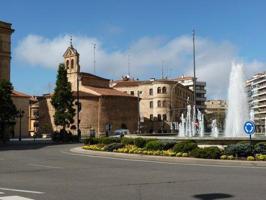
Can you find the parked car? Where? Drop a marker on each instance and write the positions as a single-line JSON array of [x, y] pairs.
[[120, 133]]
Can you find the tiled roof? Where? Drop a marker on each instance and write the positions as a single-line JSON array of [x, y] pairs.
[[108, 92], [83, 94], [126, 84], [19, 94]]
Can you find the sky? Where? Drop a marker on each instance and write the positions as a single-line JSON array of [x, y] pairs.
[[139, 37]]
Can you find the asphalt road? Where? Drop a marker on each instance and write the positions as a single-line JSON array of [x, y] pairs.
[[53, 173]]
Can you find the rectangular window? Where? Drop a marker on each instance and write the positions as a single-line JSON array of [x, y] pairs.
[[151, 92], [132, 93], [151, 117], [151, 104], [164, 117]]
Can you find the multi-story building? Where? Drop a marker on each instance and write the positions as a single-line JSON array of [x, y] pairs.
[[215, 106], [257, 99], [21, 100], [161, 102], [200, 90]]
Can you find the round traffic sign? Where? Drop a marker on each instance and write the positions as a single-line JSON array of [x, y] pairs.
[[249, 127]]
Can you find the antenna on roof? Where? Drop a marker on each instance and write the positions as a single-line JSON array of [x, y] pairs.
[[71, 41], [94, 59], [162, 69], [128, 64]]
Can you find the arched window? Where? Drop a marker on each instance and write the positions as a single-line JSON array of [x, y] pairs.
[[164, 90], [151, 91], [159, 90], [67, 63], [164, 117], [159, 117], [151, 104], [72, 63], [159, 103], [164, 103]]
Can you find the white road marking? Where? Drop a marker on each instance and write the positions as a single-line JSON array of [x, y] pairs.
[[45, 166], [25, 191], [165, 162], [14, 198]]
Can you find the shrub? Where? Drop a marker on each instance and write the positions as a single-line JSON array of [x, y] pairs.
[[113, 146], [230, 157], [185, 146], [223, 157], [154, 145], [207, 152], [108, 140], [250, 158], [239, 150], [91, 140], [140, 142], [260, 148], [260, 157], [127, 141], [179, 154], [184, 154], [168, 145]]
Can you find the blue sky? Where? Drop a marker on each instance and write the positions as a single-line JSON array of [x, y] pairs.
[[149, 31]]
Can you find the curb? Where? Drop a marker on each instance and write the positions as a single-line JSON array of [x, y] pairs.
[[170, 160]]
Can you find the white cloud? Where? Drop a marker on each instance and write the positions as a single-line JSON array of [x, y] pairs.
[[213, 59]]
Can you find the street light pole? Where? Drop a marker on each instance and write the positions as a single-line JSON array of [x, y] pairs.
[[20, 115], [194, 70], [78, 107]]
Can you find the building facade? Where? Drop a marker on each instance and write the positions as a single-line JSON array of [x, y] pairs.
[[161, 102], [256, 87], [215, 106], [5, 49], [102, 108], [200, 90]]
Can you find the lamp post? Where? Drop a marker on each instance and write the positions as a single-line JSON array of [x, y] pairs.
[[78, 106], [139, 92], [20, 115]]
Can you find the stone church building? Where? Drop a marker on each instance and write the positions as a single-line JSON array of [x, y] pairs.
[[101, 106]]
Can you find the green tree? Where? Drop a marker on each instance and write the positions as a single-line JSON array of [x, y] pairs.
[[62, 99], [8, 110]]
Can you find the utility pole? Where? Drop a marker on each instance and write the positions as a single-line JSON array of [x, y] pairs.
[[20, 115], [128, 64], [194, 72], [162, 69]]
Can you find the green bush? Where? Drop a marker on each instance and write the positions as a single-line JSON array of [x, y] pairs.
[[113, 146], [91, 140], [260, 148], [250, 158], [127, 141], [185, 146], [223, 157], [184, 154], [168, 145], [154, 145], [239, 150], [108, 140], [140, 142], [207, 153]]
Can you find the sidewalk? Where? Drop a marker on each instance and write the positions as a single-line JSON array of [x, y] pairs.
[[170, 160]]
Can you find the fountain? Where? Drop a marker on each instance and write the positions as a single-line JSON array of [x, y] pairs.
[[237, 111], [215, 130]]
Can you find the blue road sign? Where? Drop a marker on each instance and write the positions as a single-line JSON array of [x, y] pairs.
[[249, 127]]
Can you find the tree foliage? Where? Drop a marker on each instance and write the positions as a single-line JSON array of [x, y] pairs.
[[62, 99], [8, 110]]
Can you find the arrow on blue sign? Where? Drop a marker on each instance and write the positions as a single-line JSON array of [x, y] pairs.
[[249, 127]]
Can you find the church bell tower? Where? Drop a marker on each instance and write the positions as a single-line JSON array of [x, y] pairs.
[[71, 60]]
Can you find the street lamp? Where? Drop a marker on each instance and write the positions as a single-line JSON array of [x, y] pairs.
[[20, 115], [78, 106], [139, 92]]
